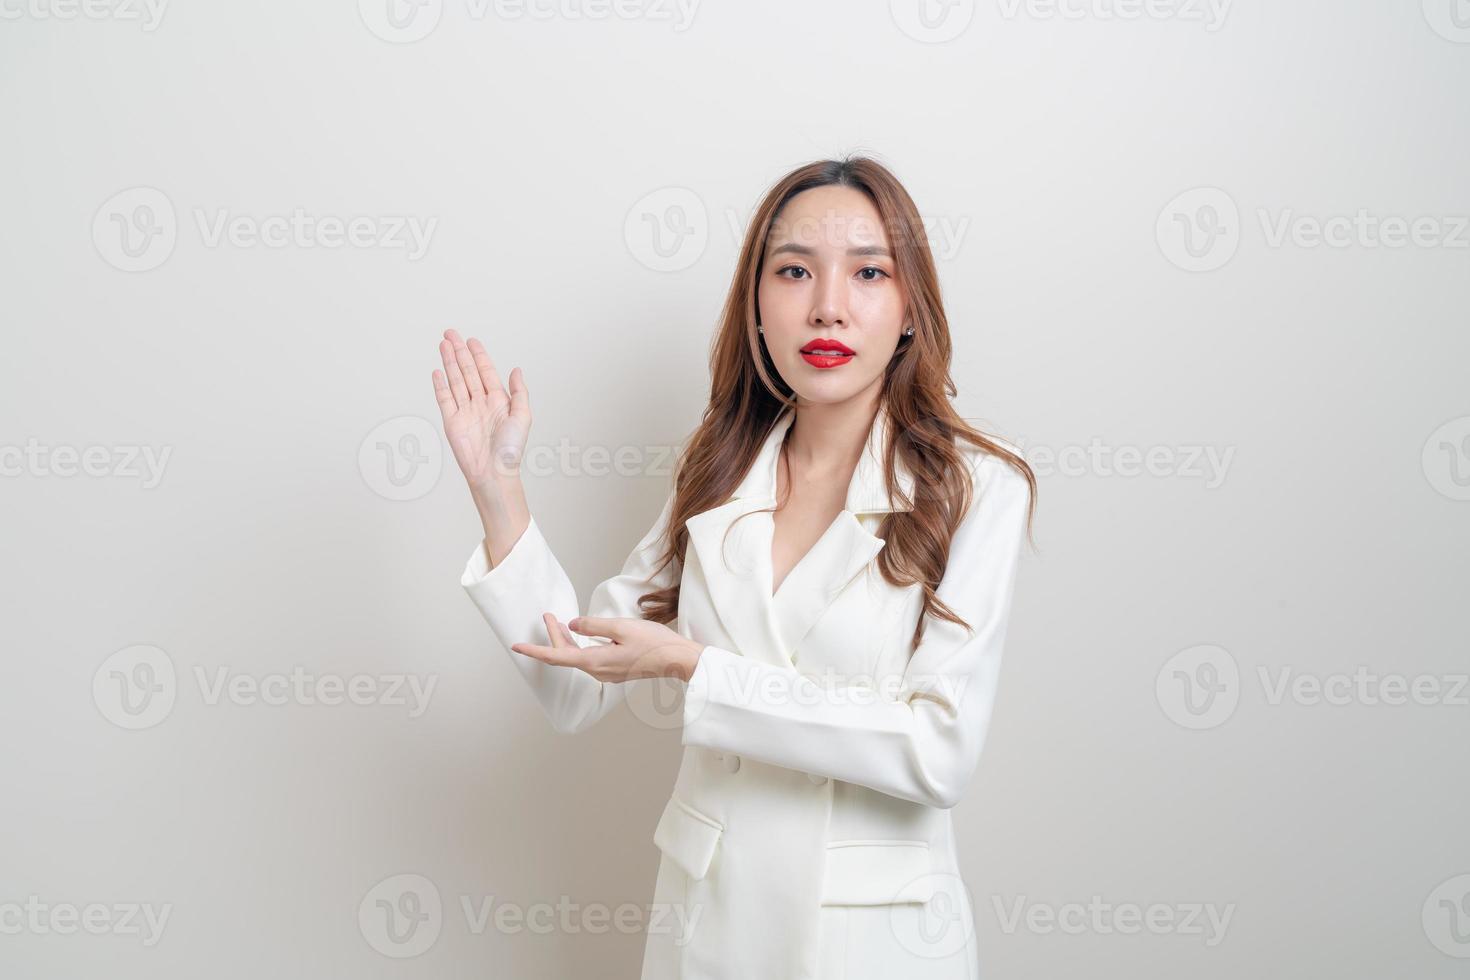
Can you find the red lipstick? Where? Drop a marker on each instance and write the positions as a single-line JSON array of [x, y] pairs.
[[825, 353]]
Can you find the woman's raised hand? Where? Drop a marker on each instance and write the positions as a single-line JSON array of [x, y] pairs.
[[486, 426]]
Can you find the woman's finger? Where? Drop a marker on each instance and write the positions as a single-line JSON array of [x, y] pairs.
[[442, 395], [520, 397], [558, 632], [466, 365], [550, 655], [451, 371], [598, 626], [485, 365]]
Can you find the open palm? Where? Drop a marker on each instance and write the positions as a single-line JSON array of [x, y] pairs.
[[486, 425]]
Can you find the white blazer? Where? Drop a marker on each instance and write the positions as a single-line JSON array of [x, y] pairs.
[[821, 760]]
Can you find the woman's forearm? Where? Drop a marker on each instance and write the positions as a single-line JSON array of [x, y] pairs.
[[501, 503]]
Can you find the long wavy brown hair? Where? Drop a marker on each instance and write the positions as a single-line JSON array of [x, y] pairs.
[[747, 396]]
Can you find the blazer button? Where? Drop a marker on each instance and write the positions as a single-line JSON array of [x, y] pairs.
[[732, 763], [816, 780]]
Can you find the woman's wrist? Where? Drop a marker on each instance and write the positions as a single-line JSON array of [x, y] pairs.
[[686, 659], [503, 515], [496, 489], [498, 499]]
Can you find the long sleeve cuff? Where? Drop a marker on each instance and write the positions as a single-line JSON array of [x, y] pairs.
[[529, 582], [480, 577], [512, 597]]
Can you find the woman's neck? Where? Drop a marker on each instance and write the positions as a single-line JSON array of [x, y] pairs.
[[828, 439]]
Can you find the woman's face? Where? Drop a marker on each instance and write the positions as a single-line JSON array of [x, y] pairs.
[[829, 282]]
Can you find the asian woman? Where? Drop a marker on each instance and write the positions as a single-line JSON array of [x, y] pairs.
[[829, 583]]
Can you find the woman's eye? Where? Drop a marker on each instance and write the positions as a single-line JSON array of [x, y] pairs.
[[870, 273]]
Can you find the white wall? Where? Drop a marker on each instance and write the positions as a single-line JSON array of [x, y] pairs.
[[1048, 146]]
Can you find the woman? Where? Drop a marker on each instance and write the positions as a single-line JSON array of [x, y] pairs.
[[834, 596]]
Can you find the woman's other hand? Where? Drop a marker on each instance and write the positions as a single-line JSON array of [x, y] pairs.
[[639, 648]]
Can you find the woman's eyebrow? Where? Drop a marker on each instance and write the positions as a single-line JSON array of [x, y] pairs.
[[808, 250]]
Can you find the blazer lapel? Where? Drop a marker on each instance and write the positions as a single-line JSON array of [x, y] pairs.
[[842, 552], [738, 570]]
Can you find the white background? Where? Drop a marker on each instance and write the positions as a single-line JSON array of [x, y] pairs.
[[1048, 146]]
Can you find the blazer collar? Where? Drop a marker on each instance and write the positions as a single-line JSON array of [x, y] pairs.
[[867, 493], [738, 570]]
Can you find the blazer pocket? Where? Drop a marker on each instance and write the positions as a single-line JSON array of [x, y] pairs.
[[687, 836], [877, 872]]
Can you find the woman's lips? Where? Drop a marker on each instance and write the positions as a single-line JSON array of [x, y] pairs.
[[826, 353], [826, 360]]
